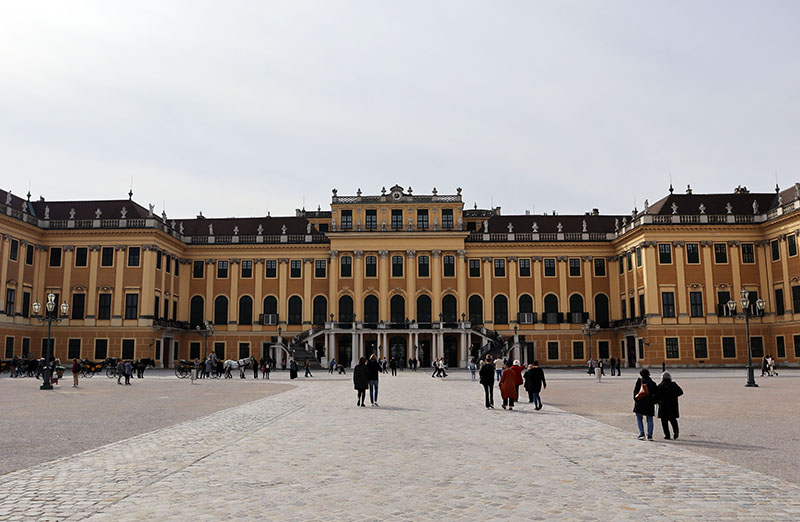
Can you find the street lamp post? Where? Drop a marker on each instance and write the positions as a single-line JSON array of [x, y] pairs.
[[589, 329], [49, 318], [206, 331], [745, 302]]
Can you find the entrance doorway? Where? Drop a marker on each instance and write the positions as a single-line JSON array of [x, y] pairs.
[[397, 347], [630, 350], [345, 351], [451, 351], [424, 352], [166, 352], [370, 347]]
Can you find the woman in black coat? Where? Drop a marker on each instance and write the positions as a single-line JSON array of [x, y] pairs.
[[534, 380], [360, 380], [486, 374], [668, 392], [644, 406]]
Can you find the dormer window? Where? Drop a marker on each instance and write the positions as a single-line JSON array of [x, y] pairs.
[[347, 219], [422, 219], [372, 219], [397, 219], [447, 218]]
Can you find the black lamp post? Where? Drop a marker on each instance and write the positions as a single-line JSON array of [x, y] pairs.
[[206, 331], [49, 318], [745, 302], [589, 329]]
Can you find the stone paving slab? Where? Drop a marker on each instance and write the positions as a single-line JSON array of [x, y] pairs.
[[431, 451]]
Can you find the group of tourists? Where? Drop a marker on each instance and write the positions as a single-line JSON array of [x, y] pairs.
[[510, 377], [124, 369], [768, 367], [366, 374], [439, 367], [598, 368], [646, 394]]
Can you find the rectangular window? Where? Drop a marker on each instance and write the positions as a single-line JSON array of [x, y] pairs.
[[720, 253], [156, 306], [26, 304], [757, 347], [78, 306], [346, 269], [100, 349], [692, 253], [320, 267], [574, 267], [664, 253], [449, 264], [623, 308], [194, 350], [169, 263], [295, 269], [10, 301], [671, 344], [271, 268], [602, 349], [158, 259], [74, 349], [52, 347], [26, 347], [748, 254], [55, 256], [422, 218], [128, 348], [247, 269], [423, 266], [371, 266], [222, 269], [700, 348], [447, 218], [397, 219], [131, 306], [796, 340], [499, 267], [621, 266], [552, 350], [107, 256], [475, 268], [244, 350], [723, 296], [776, 250], [638, 257], [397, 266], [642, 312], [780, 345], [177, 267], [599, 267], [29, 255], [81, 257], [577, 350], [219, 349], [628, 258], [198, 269], [796, 299], [134, 253], [372, 219], [696, 304], [729, 347], [166, 310], [13, 250], [791, 244], [347, 219], [525, 267], [104, 306], [9, 347], [780, 306], [549, 267]]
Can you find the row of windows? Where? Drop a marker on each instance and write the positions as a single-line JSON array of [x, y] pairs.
[[553, 352], [693, 253], [723, 296], [74, 348], [700, 347], [371, 219]]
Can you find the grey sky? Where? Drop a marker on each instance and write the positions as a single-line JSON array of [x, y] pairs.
[[234, 107]]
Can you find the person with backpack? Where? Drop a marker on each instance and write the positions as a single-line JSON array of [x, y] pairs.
[[472, 368], [644, 401]]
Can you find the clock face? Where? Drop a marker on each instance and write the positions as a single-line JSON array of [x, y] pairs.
[[396, 195]]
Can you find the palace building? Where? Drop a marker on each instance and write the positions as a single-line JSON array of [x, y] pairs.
[[408, 275]]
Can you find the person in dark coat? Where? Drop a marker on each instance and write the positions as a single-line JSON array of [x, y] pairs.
[[612, 364], [360, 380], [292, 369], [487, 380], [645, 405], [619, 371], [534, 382], [667, 394], [374, 369]]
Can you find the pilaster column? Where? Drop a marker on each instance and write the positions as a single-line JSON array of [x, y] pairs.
[[411, 283], [66, 282], [283, 281], [258, 299], [488, 300], [628, 291], [308, 273], [183, 289], [333, 284], [614, 290], [353, 348], [23, 246], [787, 290], [736, 268], [537, 285], [383, 273], [710, 298], [4, 252], [650, 274], [463, 350], [358, 283], [436, 284], [683, 309], [588, 301], [635, 307], [765, 275], [511, 261], [234, 266], [119, 291], [461, 275], [91, 291], [211, 276], [563, 297]]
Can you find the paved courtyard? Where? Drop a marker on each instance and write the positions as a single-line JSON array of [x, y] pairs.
[[430, 451]]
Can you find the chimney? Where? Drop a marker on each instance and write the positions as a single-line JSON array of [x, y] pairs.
[[595, 211], [527, 212]]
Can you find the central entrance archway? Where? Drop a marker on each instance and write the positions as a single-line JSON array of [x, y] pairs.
[[345, 351], [397, 347]]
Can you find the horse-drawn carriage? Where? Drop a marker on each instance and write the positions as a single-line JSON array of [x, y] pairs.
[[184, 368], [89, 368]]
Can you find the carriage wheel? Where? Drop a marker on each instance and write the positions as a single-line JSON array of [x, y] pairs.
[[111, 373]]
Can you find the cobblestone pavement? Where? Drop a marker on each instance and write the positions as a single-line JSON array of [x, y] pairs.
[[430, 451]]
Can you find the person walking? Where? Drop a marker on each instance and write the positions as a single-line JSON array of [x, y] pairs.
[[393, 366], [518, 371], [76, 369], [619, 371], [487, 380], [498, 368], [120, 371], [611, 364], [508, 387], [128, 372], [292, 369], [331, 365], [644, 394], [534, 382], [472, 368], [435, 368], [373, 373], [255, 369], [360, 380], [308, 369], [601, 365], [667, 394]]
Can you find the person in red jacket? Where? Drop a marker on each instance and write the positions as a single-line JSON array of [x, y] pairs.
[[518, 371], [508, 387]]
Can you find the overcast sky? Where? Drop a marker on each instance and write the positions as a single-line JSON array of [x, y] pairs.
[[237, 107]]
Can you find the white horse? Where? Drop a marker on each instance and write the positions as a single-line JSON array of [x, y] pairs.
[[241, 364]]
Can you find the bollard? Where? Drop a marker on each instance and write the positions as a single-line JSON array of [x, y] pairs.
[[194, 374]]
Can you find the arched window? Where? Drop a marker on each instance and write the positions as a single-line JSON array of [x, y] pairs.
[[601, 310], [270, 305], [449, 309], [397, 309], [245, 310], [221, 310], [576, 304], [370, 309], [295, 310], [550, 303], [423, 309], [320, 314], [500, 309], [476, 309], [345, 309], [525, 304], [196, 309]]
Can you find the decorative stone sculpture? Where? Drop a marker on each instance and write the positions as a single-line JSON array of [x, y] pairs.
[[485, 226], [458, 191], [559, 227], [8, 198], [510, 228], [702, 208], [755, 207], [210, 229], [460, 223], [283, 230], [358, 192], [236, 231], [535, 227], [123, 212], [435, 192], [334, 192], [729, 207], [674, 208], [98, 213], [150, 212], [47, 212], [383, 191], [616, 223], [72, 213], [646, 206], [260, 229], [308, 228], [180, 227], [584, 227], [780, 199]]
